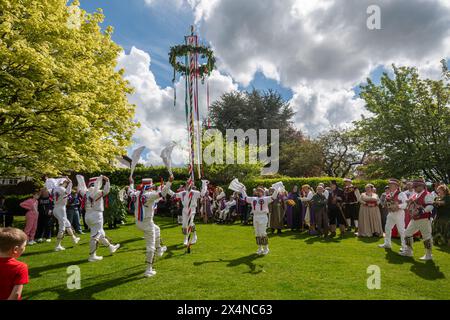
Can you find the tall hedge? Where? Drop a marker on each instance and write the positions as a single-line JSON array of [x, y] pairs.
[[313, 182], [120, 177]]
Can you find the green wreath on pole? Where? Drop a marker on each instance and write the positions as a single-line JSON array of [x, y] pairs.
[[185, 49]]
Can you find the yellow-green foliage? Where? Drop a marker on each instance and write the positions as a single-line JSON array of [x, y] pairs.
[[63, 104]]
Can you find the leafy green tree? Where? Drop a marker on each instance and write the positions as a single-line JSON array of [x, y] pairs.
[[63, 104], [253, 110], [263, 110], [409, 131], [301, 158], [340, 152]]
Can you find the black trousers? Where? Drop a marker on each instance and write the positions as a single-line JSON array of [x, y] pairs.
[[351, 211], [45, 226], [6, 220], [335, 215]]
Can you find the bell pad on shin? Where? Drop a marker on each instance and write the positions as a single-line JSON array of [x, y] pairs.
[[428, 244]]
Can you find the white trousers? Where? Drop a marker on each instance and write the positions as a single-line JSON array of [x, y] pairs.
[[422, 225], [185, 217], [152, 236], [223, 214], [61, 215], [260, 222], [94, 220], [395, 219]]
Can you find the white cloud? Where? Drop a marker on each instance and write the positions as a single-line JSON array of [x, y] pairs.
[[161, 122], [322, 49]]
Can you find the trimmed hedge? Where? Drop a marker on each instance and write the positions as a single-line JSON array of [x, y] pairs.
[[120, 177], [313, 182]]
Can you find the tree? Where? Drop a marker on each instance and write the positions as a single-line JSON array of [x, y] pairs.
[[303, 158], [260, 110], [340, 152], [63, 106], [410, 127], [253, 110]]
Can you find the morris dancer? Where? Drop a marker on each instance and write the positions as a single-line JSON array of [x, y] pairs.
[[420, 206], [396, 203], [145, 200], [60, 194], [351, 204], [189, 199], [94, 205], [260, 210]]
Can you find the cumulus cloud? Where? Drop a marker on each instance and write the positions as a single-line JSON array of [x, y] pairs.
[[161, 122], [323, 49]]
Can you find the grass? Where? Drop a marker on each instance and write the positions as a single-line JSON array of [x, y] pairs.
[[222, 265]]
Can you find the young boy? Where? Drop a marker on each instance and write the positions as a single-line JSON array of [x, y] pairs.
[[13, 273]]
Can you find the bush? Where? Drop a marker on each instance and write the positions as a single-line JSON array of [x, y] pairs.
[[313, 182], [120, 177]]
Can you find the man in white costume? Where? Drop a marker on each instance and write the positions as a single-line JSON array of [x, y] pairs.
[[94, 205], [189, 199], [396, 202], [260, 209], [420, 205], [145, 199], [60, 194]]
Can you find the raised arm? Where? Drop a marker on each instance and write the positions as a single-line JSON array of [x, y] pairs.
[[69, 187], [275, 194], [107, 186], [204, 188], [81, 185]]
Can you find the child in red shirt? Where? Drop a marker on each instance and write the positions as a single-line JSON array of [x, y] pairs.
[[13, 273]]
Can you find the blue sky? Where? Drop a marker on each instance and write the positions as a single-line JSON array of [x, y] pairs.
[[319, 50], [153, 29]]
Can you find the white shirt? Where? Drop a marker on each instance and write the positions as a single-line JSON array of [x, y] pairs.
[[94, 196], [147, 200], [188, 199], [260, 205], [308, 197], [402, 198], [60, 195]]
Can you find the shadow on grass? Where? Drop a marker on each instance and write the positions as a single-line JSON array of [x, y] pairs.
[[29, 254], [246, 260], [87, 293], [168, 226], [442, 248], [427, 270], [369, 240], [36, 271]]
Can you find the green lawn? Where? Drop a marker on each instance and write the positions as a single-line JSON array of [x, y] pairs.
[[222, 265]]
